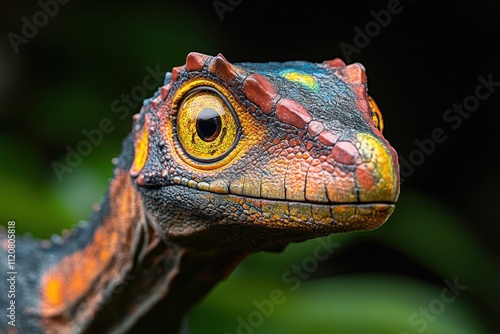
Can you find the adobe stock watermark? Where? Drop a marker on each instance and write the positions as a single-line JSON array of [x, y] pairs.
[[120, 107], [421, 318], [453, 118], [371, 29], [31, 26], [223, 6], [293, 278], [11, 273]]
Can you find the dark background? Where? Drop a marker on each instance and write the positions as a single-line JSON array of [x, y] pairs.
[[426, 59]]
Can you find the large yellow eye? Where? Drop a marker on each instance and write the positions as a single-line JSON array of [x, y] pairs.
[[207, 127], [376, 114]]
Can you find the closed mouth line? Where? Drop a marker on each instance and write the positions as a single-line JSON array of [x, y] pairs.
[[286, 201]]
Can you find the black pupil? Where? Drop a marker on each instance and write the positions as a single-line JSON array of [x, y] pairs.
[[208, 124]]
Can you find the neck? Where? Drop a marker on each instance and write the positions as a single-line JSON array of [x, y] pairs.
[[109, 276], [95, 261]]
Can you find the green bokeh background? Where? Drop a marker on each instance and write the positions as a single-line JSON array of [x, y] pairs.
[[445, 227]]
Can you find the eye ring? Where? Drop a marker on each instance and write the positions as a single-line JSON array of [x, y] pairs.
[[207, 128]]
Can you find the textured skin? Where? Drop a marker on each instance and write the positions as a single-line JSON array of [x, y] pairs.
[[298, 153]]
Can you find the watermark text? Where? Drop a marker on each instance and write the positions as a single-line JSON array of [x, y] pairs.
[[11, 273], [31, 26]]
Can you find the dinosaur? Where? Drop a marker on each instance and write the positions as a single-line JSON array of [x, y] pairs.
[[224, 160]]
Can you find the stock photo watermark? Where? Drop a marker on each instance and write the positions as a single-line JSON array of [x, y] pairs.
[[453, 118], [223, 6], [293, 278], [11, 273], [121, 107], [363, 36], [31, 26], [436, 306]]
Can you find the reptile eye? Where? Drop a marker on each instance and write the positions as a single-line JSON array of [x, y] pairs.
[[207, 127], [376, 114]]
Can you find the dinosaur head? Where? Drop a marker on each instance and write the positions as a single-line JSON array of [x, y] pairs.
[[262, 153]]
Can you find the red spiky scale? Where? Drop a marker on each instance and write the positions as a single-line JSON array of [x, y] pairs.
[[195, 61], [353, 74], [328, 138], [363, 105], [346, 153], [315, 128], [261, 92], [223, 69], [156, 101], [360, 91], [175, 72], [334, 63], [293, 113]]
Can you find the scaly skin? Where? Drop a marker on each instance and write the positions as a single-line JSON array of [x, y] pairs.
[[224, 160]]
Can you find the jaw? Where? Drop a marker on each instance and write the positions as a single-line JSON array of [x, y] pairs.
[[201, 219]]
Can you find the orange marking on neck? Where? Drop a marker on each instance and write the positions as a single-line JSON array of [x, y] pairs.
[[85, 274], [53, 291]]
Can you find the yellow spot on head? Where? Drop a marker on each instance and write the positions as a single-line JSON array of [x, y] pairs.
[[302, 78]]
